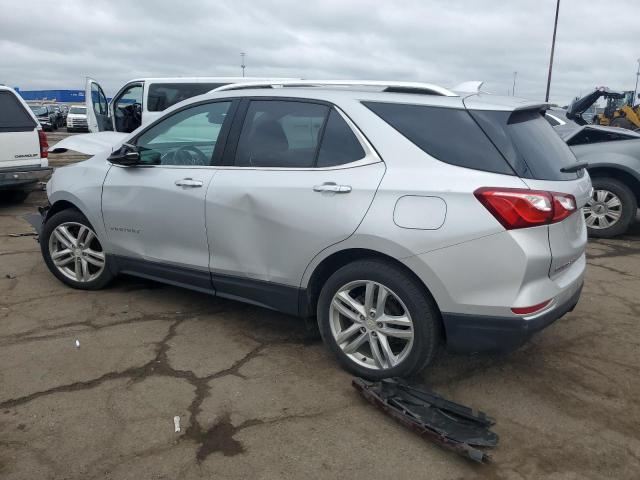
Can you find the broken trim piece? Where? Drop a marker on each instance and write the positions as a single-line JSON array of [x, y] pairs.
[[448, 424]]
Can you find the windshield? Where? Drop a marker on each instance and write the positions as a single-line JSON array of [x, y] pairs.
[[38, 110], [80, 110]]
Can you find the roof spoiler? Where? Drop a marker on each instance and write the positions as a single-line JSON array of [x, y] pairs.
[[472, 86]]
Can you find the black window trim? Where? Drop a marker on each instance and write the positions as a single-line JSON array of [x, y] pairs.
[[223, 136], [229, 155]]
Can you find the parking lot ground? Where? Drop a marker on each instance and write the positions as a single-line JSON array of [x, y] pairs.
[[259, 397]]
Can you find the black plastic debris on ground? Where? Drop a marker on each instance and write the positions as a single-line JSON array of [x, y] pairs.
[[448, 424]]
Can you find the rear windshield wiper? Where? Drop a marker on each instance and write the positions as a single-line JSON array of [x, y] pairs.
[[574, 168]]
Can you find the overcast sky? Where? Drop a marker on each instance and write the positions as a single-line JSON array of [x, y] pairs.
[[55, 44]]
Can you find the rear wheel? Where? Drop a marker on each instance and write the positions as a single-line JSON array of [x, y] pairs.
[[73, 252], [377, 320], [611, 208]]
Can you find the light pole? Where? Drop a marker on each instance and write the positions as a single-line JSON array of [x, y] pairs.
[[553, 46], [635, 92], [242, 65], [513, 90]]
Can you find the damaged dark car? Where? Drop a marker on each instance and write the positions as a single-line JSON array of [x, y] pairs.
[[613, 157]]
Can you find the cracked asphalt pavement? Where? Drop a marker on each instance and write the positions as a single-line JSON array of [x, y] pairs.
[[259, 397]]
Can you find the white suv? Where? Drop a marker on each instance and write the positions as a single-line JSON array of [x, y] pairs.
[[77, 119], [401, 215], [23, 146]]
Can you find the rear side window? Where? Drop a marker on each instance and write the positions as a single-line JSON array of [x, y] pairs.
[[164, 95], [528, 143], [448, 134], [339, 144], [13, 116], [280, 134]]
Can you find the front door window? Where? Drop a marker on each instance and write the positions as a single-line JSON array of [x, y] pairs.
[[188, 137]]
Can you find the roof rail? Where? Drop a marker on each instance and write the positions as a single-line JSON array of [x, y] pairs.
[[396, 87]]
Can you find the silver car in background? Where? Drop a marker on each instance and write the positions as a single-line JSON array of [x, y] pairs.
[[401, 215]]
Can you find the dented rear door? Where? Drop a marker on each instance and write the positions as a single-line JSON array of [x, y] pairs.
[[265, 224]]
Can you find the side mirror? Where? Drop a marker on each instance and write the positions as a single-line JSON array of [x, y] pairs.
[[125, 157]]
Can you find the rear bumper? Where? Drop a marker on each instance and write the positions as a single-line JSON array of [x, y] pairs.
[[477, 333], [20, 177]]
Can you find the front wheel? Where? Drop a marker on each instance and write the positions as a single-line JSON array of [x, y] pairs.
[[377, 320], [73, 252], [611, 208]]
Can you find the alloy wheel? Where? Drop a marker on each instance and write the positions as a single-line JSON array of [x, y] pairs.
[[76, 252], [371, 324], [603, 210]]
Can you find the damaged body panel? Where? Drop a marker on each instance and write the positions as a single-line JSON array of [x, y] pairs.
[[448, 424], [90, 143]]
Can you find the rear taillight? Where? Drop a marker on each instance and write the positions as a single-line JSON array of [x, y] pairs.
[[522, 208], [563, 206], [44, 145]]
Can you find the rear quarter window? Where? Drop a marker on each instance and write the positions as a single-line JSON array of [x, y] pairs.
[[528, 142], [13, 115], [449, 134]]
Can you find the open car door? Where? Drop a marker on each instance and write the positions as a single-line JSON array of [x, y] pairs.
[[97, 107]]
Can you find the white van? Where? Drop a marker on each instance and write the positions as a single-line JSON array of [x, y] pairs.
[[23, 146], [142, 100]]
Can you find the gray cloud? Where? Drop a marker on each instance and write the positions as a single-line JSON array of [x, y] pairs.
[[46, 44]]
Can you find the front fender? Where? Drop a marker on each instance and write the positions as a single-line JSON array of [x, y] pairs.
[[81, 185]]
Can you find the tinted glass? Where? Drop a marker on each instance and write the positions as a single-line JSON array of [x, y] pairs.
[[78, 110], [280, 134], [12, 114], [163, 95], [529, 143], [185, 138], [98, 99], [448, 134], [339, 144]]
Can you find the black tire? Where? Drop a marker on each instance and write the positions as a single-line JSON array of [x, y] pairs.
[[72, 215], [622, 122], [69, 130], [422, 308], [628, 210]]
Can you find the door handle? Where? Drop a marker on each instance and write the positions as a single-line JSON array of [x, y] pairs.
[[189, 182], [332, 187]]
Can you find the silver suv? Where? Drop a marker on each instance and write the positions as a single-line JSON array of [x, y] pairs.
[[401, 215]]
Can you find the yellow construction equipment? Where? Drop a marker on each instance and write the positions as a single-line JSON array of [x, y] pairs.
[[619, 111]]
